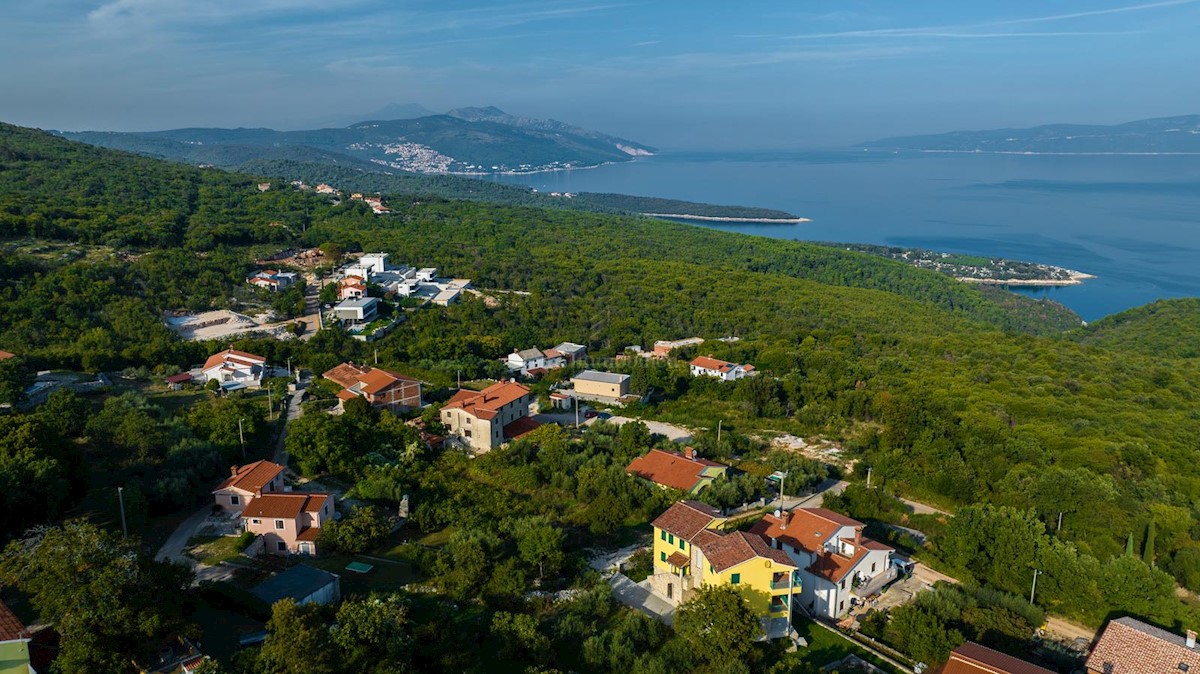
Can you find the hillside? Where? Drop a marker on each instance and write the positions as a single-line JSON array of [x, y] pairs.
[[1167, 328], [1160, 135], [437, 144]]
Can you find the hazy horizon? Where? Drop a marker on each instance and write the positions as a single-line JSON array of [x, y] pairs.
[[701, 75]]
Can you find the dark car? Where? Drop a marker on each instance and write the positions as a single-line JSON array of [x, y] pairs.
[[591, 414]]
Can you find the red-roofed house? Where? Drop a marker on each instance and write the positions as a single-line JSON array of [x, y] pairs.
[[288, 522], [707, 366], [14, 644], [352, 288], [971, 658], [234, 369], [686, 471], [248, 482], [478, 418], [837, 563], [273, 280], [690, 553], [5, 355], [382, 388], [1130, 646]]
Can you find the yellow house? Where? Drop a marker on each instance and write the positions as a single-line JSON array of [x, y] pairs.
[[690, 552], [14, 644]]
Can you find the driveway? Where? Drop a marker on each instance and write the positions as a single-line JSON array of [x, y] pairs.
[[638, 596], [671, 431], [172, 550], [293, 412]]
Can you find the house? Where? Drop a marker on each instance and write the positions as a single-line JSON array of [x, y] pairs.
[[382, 388], [1130, 646], [273, 280], [663, 348], [288, 522], [14, 644], [670, 470], [175, 656], [971, 658], [837, 563], [235, 369], [245, 483], [302, 584], [373, 263], [5, 355], [600, 386], [325, 189], [427, 274], [361, 310], [570, 351], [707, 366], [352, 288], [178, 381], [263, 187], [446, 297], [482, 419], [526, 360], [691, 552], [560, 401]]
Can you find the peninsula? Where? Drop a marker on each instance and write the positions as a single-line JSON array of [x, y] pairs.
[[976, 269]]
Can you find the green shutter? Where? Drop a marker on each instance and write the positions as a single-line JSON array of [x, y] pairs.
[[671, 538], [662, 535], [735, 579], [662, 556], [681, 544]]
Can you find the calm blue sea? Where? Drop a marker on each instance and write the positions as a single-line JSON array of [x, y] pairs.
[[1133, 221]]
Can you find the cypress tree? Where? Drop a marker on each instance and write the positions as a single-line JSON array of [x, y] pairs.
[[1148, 551]]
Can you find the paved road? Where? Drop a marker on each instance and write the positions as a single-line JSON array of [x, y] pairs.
[[293, 412], [671, 431], [172, 550]]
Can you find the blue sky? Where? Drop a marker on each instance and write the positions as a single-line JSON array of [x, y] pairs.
[[675, 74]]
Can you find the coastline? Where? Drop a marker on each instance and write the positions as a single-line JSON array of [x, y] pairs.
[[1076, 278], [715, 218]]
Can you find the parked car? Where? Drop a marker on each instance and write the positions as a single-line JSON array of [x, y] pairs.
[[591, 414], [604, 416]]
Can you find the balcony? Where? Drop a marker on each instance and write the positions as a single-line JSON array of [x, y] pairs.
[[873, 585], [783, 584]]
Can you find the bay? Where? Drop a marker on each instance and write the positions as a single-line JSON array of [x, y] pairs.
[[1131, 220]]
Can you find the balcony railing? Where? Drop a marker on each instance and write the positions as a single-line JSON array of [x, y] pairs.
[[876, 583], [785, 584]]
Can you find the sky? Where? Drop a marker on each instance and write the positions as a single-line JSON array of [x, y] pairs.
[[675, 74]]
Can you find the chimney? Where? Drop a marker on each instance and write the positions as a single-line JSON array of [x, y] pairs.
[[1191, 639], [857, 536], [689, 453], [233, 471]]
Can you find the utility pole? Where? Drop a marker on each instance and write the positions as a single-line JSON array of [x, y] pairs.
[[1059, 529], [868, 477], [719, 435], [121, 498], [1034, 588], [376, 355], [458, 373], [576, 411], [242, 437], [270, 405]]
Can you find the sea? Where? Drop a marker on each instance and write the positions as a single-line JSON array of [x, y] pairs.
[[1133, 221]]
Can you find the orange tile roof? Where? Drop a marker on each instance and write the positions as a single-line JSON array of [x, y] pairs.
[[11, 627], [806, 528], [521, 427], [308, 534], [5, 355], [678, 560], [345, 375], [376, 380], [1130, 646], [709, 363], [971, 658], [231, 354], [725, 552], [486, 404], [251, 477], [834, 567], [288, 505], [686, 519], [669, 469]]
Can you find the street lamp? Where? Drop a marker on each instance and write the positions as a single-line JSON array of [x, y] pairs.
[[1033, 589], [121, 498]]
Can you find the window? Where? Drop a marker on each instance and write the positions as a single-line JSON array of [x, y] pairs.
[[872, 567], [671, 538], [843, 584], [662, 556], [662, 535], [841, 606], [682, 544], [778, 545], [281, 546], [278, 524], [735, 579], [255, 521], [234, 500]]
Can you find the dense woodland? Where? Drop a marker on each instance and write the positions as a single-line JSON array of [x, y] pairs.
[[978, 401]]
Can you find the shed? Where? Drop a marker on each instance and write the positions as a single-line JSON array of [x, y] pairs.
[[302, 583]]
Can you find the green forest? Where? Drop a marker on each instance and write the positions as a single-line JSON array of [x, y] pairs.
[[992, 406]]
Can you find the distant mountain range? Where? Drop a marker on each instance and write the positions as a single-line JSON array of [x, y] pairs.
[[470, 141], [1162, 135]]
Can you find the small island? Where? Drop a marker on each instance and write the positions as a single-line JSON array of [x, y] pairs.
[[975, 268], [685, 210]]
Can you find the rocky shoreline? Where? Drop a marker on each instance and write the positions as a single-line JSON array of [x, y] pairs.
[[714, 218]]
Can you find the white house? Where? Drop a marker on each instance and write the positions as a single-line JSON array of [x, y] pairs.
[[838, 565], [427, 274], [233, 369], [524, 361], [570, 351], [374, 263], [273, 280], [707, 366], [361, 310]]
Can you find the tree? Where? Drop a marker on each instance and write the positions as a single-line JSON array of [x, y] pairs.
[[518, 632], [540, 543], [38, 473], [363, 530], [718, 624], [373, 634], [109, 602], [1148, 550], [298, 641], [14, 379]]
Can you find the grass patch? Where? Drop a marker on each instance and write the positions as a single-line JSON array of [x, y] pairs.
[[215, 549], [436, 539], [385, 577], [824, 647]]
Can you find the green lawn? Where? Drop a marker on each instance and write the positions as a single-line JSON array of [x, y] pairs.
[[214, 549], [385, 577], [824, 647]]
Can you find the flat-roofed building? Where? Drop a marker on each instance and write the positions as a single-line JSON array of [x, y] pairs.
[[605, 386]]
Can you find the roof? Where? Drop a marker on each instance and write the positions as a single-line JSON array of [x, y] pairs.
[[11, 627], [530, 354], [678, 560], [287, 505], [179, 378], [804, 528], [971, 658], [1130, 646], [357, 303], [686, 519], [251, 477], [5, 355], [346, 374], [298, 582], [239, 357], [835, 567], [669, 469], [570, 348], [520, 428], [602, 377], [710, 363], [486, 404], [376, 380], [726, 552]]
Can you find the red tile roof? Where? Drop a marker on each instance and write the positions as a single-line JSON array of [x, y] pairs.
[[251, 477], [240, 357], [5, 355], [486, 404], [834, 567], [345, 375], [288, 505], [179, 378], [678, 560], [686, 519], [376, 380], [669, 469], [971, 658], [709, 363], [308, 534], [806, 528], [725, 552], [521, 427], [11, 628], [1130, 646]]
